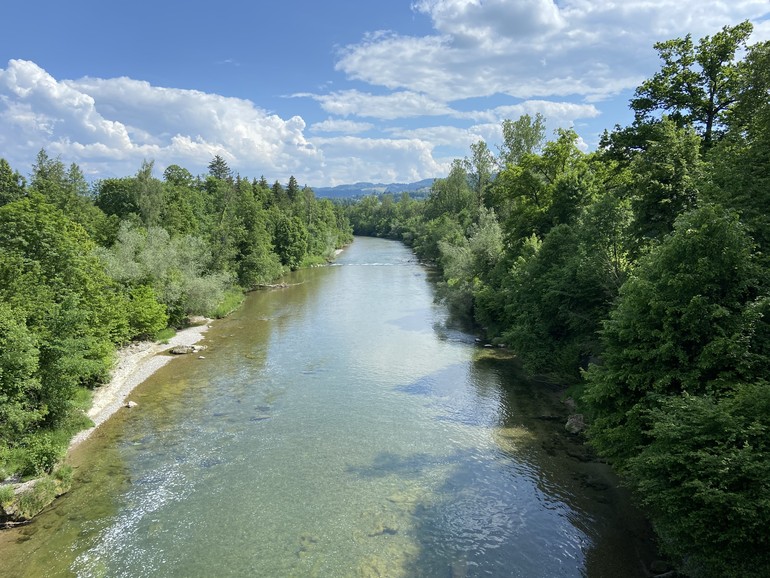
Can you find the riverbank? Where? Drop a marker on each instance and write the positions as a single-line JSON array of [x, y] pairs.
[[20, 502], [136, 362]]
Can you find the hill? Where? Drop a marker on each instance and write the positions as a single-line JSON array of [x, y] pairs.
[[363, 189]]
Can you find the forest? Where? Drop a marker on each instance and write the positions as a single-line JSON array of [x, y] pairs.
[[86, 268], [637, 275]]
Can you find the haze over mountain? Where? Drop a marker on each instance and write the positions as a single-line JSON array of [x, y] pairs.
[[364, 188]]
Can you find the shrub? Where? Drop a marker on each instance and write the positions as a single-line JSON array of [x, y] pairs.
[[42, 452], [6, 495]]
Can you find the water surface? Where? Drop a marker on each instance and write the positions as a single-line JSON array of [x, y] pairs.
[[337, 427]]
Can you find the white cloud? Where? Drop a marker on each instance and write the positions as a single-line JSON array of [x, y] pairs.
[[560, 113], [379, 160], [403, 104], [445, 135], [535, 48], [108, 126], [343, 126], [111, 125]]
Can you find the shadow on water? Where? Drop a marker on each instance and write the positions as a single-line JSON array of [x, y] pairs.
[[529, 500]]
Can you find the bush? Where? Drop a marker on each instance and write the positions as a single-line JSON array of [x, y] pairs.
[[6, 495], [146, 316], [703, 479], [41, 452]]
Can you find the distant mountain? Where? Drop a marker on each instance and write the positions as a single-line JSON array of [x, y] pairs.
[[364, 189]]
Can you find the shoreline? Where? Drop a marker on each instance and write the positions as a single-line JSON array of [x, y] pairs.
[[135, 364]]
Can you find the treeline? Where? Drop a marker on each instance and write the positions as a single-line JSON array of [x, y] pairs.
[[86, 268], [639, 275]]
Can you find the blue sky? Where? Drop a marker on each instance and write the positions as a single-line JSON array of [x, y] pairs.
[[331, 92]]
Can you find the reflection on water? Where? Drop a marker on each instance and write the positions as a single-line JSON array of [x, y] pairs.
[[337, 428]]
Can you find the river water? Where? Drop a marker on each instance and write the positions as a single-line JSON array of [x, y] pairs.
[[337, 427]]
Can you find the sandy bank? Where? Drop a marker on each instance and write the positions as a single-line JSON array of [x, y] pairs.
[[135, 364]]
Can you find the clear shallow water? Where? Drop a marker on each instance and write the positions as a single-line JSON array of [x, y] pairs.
[[336, 427]]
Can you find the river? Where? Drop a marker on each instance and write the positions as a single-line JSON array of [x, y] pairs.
[[337, 427]]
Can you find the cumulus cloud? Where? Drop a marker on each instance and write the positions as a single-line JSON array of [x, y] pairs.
[[118, 122], [343, 126], [403, 104], [380, 159], [560, 113], [527, 49], [108, 126]]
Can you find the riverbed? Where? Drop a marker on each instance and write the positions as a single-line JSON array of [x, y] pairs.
[[338, 426]]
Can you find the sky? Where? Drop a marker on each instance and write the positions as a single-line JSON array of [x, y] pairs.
[[329, 91]]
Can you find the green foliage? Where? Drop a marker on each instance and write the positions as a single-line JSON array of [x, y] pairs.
[[452, 196], [12, 184], [42, 453], [65, 314], [704, 476], [176, 268], [521, 137], [64, 475], [164, 335], [6, 495], [666, 181], [231, 300], [32, 502], [19, 381], [683, 323], [219, 169], [146, 316], [290, 237], [697, 84], [543, 190]]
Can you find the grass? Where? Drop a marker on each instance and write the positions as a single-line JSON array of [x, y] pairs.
[[6, 495], [31, 502], [313, 261], [165, 334], [231, 301]]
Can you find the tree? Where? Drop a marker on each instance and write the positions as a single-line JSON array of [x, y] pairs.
[[689, 319], [149, 195], [665, 181], [12, 184], [480, 168], [543, 190], [521, 137], [178, 176], [176, 268], [292, 189], [452, 196], [290, 240], [19, 382], [118, 196], [54, 281], [219, 169], [741, 159], [696, 85], [146, 316]]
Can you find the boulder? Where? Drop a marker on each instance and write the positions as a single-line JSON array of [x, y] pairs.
[[575, 424], [182, 349]]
